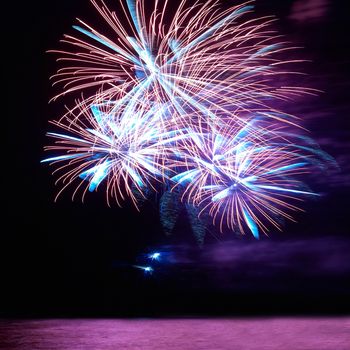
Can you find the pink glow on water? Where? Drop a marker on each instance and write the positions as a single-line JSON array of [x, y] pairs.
[[184, 334]]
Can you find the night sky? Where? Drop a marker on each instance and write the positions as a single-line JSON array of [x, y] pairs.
[[76, 259]]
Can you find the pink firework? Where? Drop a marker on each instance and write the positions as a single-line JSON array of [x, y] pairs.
[[209, 63], [188, 98]]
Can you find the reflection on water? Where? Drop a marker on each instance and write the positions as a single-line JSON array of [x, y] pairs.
[[146, 334]]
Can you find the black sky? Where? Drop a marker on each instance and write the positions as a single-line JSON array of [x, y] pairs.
[[74, 259]]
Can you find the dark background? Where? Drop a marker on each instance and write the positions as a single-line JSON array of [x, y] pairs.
[[73, 259]]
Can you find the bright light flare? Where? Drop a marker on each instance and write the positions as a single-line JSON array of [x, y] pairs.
[[154, 256]]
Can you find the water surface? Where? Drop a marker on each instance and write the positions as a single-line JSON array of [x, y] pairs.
[[184, 334]]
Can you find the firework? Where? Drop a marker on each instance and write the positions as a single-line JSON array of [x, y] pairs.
[[244, 181], [187, 99], [98, 145], [202, 62]]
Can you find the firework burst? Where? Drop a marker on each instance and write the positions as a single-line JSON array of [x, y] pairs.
[[244, 178], [203, 62], [187, 98], [98, 145]]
